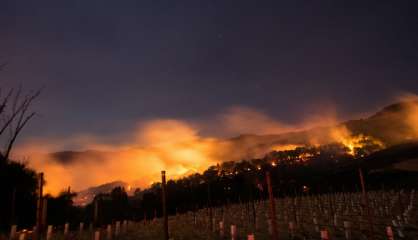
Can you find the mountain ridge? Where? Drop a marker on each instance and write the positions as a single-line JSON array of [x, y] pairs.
[[388, 125]]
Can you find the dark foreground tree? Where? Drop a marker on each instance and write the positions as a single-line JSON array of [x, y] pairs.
[[17, 182], [18, 200]]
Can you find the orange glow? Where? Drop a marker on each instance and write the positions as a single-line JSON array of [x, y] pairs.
[[412, 117], [164, 144], [285, 147], [305, 156], [180, 148], [342, 135]]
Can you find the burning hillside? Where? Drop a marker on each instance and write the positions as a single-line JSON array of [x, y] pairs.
[[179, 148]]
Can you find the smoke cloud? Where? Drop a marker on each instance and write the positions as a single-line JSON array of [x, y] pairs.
[[177, 146]]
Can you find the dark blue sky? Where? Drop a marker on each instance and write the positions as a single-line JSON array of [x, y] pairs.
[[107, 64]]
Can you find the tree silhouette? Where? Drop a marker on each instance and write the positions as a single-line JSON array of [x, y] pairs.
[[17, 182]]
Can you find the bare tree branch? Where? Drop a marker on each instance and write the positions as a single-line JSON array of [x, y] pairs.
[[14, 114], [18, 117], [19, 109], [18, 129], [5, 101]]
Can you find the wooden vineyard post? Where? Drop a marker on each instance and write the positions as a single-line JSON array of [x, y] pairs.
[[211, 227], [272, 207], [366, 203], [39, 206], [221, 229], [109, 232], [96, 212], [66, 230], [13, 231], [117, 229], [80, 228], [124, 226], [389, 233], [165, 218], [22, 236], [155, 216], [97, 235], [91, 228], [49, 232], [233, 232], [324, 235], [347, 230], [44, 212]]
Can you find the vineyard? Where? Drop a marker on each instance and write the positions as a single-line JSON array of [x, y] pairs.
[[307, 192], [248, 200], [381, 215]]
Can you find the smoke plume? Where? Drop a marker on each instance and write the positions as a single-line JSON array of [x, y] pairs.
[[179, 147]]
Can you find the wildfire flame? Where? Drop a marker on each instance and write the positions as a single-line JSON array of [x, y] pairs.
[[352, 142], [285, 147]]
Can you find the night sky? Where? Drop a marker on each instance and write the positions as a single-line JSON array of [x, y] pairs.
[[105, 65]]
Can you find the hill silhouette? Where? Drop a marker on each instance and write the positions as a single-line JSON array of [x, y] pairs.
[[391, 126]]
